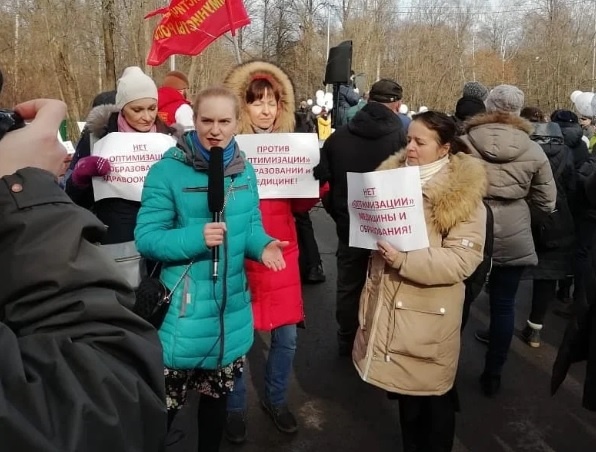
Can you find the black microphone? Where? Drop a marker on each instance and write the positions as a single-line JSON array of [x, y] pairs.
[[215, 195]]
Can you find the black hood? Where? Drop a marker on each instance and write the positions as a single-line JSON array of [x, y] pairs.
[[374, 120], [573, 134], [547, 133], [550, 138]]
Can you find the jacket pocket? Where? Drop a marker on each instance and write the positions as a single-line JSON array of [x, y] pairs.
[[130, 264], [195, 189], [416, 332], [186, 298]]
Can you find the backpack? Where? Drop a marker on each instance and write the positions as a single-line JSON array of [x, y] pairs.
[[476, 280]]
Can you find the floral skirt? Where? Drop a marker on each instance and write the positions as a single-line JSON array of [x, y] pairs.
[[213, 383]]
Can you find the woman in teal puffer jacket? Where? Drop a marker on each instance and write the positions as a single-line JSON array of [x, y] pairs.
[[208, 328]]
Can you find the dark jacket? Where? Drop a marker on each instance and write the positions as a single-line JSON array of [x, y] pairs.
[[359, 147], [583, 210], [119, 215], [346, 98], [579, 342], [305, 121], [572, 134], [554, 261], [80, 371]]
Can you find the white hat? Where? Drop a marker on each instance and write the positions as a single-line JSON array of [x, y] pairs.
[[584, 103], [133, 85]]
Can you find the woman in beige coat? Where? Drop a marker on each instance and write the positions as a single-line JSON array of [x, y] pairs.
[[411, 306]]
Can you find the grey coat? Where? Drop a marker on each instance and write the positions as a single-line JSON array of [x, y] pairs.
[[518, 173]]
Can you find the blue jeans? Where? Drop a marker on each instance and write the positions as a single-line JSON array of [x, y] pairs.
[[277, 372], [503, 284]]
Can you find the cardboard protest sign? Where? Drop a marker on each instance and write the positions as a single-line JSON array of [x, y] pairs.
[[283, 163], [130, 156], [387, 205]]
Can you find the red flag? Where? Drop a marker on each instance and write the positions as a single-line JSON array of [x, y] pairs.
[[189, 26]]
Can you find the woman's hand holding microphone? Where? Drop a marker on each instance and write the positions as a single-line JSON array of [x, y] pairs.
[[272, 256]]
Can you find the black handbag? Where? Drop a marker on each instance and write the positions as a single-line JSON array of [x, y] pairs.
[[153, 298]]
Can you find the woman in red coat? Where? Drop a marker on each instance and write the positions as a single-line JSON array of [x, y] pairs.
[[267, 104]]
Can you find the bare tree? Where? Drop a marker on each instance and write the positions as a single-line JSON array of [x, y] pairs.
[[108, 27]]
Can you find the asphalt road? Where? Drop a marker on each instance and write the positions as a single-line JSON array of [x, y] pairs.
[[339, 412]]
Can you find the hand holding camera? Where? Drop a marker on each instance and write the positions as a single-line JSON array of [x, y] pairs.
[[36, 145]]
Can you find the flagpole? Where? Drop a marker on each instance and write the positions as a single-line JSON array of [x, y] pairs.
[[236, 47], [233, 32]]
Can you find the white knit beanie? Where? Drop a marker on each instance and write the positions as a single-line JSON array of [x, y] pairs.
[[133, 85], [505, 99]]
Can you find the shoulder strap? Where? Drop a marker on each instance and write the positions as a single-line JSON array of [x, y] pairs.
[[490, 226], [169, 295]]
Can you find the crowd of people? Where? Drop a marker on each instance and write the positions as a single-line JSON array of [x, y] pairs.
[[496, 175]]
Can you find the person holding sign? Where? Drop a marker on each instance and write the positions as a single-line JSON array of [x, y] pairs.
[[411, 306], [208, 327], [135, 112], [267, 106]]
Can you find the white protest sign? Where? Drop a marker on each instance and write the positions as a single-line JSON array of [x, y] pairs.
[[387, 205], [283, 163], [130, 156]]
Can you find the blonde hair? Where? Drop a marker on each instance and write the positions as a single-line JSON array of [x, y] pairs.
[[216, 91]]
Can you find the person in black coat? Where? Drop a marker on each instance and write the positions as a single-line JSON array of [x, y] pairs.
[[311, 265], [579, 341], [360, 147], [80, 371], [554, 234], [135, 112], [573, 135], [118, 214]]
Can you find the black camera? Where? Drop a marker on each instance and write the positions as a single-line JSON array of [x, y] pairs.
[[9, 120]]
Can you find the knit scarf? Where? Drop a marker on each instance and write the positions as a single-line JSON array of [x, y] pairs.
[[429, 170], [124, 126], [192, 140]]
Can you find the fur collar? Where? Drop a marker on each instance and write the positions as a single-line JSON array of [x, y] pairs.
[[238, 80], [98, 120], [454, 193], [514, 121]]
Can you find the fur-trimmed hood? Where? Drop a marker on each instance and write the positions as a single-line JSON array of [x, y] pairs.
[[98, 120], [240, 77], [454, 193], [499, 137], [103, 119]]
